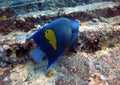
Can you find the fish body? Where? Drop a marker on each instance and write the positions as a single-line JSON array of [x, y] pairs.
[[54, 38]]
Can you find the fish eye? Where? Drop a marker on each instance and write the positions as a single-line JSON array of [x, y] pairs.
[[47, 31]]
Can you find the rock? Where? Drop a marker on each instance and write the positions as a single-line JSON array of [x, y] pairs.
[[25, 83], [14, 76], [5, 79], [38, 26], [3, 64], [39, 82], [22, 75], [97, 79], [95, 20], [13, 59], [2, 53], [20, 18], [1, 49], [13, 82], [1, 71], [5, 47], [5, 59]]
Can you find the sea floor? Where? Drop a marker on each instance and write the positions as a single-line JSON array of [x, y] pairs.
[[92, 64]]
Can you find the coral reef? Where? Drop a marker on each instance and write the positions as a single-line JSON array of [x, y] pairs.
[[96, 61]]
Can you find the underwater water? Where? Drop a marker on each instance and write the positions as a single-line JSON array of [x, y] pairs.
[[77, 40]]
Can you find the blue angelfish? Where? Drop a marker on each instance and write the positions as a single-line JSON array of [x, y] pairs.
[[54, 38]]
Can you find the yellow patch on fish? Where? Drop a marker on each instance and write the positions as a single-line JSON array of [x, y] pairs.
[[50, 36]]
